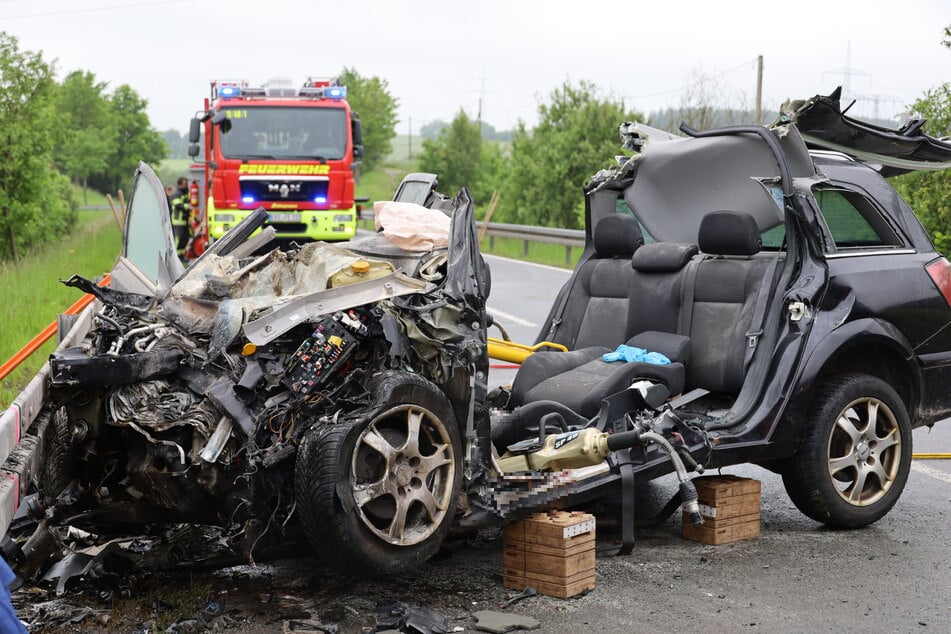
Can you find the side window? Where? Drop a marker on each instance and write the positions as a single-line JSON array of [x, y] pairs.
[[853, 221], [622, 207], [774, 238]]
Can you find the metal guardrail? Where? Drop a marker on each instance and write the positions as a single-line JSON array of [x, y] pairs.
[[570, 238]]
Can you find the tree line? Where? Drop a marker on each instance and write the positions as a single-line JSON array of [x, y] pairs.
[[53, 132]]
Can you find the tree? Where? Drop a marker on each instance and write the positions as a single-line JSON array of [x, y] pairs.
[[929, 193], [177, 143], [432, 129], [83, 127], [371, 99], [32, 202], [133, 140], [577, 133], [454, 155]]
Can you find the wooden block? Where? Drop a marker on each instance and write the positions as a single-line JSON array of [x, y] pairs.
[[552, 552], [561, 567], [739, 505], [577, 545], [719, 522], [724, 486], [560, 590], [721, 535]]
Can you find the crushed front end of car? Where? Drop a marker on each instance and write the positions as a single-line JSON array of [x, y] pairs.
[[334, 384]]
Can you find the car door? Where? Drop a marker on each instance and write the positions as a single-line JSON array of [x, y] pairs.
[[148, 263]]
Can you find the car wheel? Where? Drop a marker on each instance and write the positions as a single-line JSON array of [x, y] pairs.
[[855, 453], [57, 470], [377, 491]]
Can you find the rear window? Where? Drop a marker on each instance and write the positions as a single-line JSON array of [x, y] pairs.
[[853, 221]]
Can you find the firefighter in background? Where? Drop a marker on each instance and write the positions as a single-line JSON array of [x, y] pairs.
[[181, 214]]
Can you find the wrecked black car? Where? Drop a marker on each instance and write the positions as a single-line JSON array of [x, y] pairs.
[[799, 310]]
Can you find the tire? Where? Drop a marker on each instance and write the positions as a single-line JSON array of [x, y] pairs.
[[57, 470], [372, 499], [848, 472]]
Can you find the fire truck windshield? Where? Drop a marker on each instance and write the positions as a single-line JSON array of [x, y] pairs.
[[274, 132]]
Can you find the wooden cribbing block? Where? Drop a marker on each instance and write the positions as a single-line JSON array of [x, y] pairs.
[[552, 552], [730, 507]]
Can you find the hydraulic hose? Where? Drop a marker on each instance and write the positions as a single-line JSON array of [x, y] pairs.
[[688, 492]]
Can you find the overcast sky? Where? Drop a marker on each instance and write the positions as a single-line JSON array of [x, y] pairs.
[[442, 56]]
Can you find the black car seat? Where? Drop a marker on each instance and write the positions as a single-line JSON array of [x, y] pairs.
[[595, 311]]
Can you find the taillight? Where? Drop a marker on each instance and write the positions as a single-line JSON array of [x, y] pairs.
[[940, 273]]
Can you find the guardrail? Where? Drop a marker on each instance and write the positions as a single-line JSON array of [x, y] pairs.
[[570, 238]]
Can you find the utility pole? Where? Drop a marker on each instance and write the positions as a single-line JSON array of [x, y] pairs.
[[759, 90], [411, 137]]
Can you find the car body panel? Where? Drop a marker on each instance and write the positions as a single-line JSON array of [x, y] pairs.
[[824, 124]]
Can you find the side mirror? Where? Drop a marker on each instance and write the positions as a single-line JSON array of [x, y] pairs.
[[356, 131], [193, 150], [194, 130], [357, 151]]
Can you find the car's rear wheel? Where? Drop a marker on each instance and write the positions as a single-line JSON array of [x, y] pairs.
[[855, 453], [377, 492]]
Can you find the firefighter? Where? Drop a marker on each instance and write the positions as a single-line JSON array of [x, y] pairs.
[[180, 207]]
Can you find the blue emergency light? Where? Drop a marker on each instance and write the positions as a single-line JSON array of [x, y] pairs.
[[247, 199], [335, 92], [227, 92], [320, 200]]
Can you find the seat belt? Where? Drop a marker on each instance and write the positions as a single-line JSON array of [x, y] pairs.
[[686, 295], [560, 311], [759, 313]]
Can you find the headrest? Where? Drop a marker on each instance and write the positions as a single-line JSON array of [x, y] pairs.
[[617, 235], [729, 233], [659, 257]]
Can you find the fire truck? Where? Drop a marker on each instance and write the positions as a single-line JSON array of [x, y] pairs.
[[294, 151]]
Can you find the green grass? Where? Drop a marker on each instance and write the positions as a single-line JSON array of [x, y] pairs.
[[538, 252], [90, 197], [31, 296]]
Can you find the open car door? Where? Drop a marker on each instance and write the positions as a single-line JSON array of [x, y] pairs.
[[148, 264]]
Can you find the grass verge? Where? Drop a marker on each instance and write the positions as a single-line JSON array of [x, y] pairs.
[[31, 296]]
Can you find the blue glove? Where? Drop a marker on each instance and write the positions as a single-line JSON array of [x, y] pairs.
[[630, 354]]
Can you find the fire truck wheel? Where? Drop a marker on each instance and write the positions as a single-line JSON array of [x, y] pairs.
[[377, 492]]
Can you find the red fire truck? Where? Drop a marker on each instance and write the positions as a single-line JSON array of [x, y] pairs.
[[294, 151]]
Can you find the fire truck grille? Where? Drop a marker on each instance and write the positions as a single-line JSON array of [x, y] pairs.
[[278, 190]]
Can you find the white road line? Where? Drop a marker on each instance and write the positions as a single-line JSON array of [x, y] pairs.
[[937, 474], [504, 317], [543, 266]]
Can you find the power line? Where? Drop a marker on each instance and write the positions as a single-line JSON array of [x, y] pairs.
[[676, 90]]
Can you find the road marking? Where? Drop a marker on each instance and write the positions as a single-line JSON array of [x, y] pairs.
[[937, 474], [543, 266], [512, 318]]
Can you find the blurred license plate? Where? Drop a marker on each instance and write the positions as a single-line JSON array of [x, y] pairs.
[[283, 217]]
